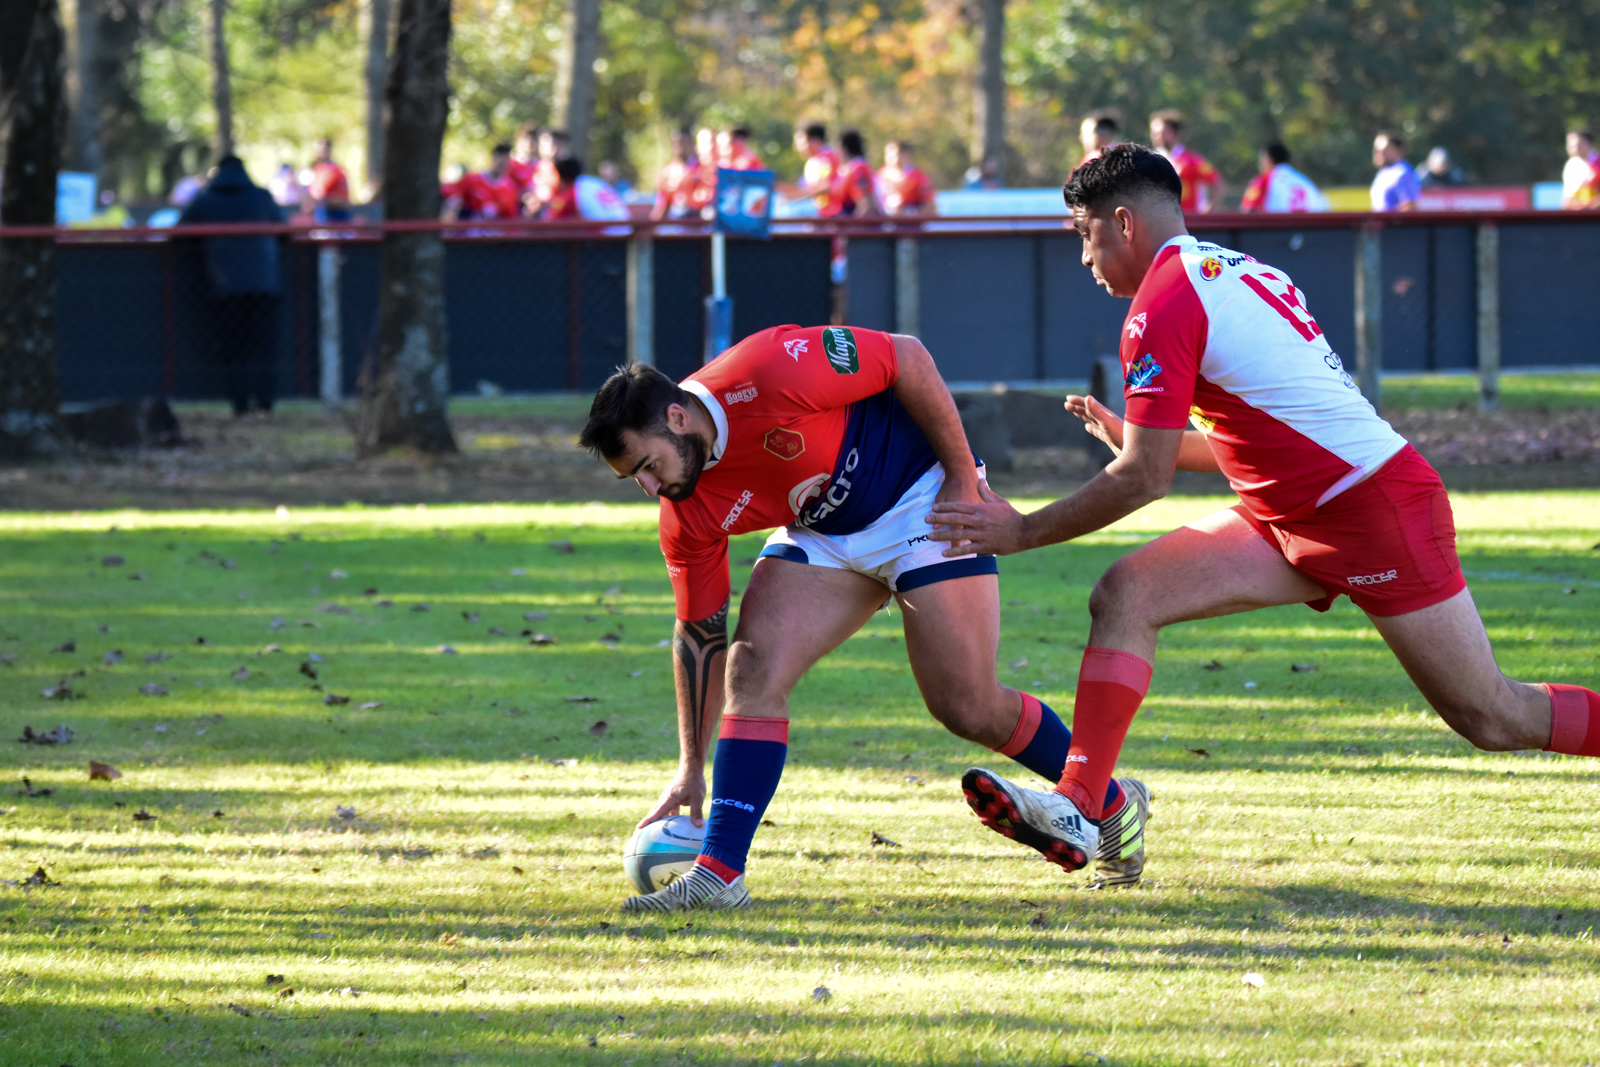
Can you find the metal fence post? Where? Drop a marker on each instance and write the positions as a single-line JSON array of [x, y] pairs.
[[1369, 312], [907, 286], [328, 329], [641, 288], [1488, 316]]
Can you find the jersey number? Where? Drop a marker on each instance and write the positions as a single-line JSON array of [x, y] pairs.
[[1285, 300]]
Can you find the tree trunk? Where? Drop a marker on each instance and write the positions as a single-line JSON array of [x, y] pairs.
[[32, 132], [990, 139], [85, 154], [413, 379], [575, 79], [378, 19], [221, 80]]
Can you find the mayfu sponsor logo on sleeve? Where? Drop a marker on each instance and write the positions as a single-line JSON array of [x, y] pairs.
[[737, 509], [839, 345], [742, 393]]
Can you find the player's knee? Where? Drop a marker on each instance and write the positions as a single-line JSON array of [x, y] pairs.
[[750, 674], [1117, 594]]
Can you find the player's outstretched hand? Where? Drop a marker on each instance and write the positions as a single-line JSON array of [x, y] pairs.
[[992, 528], [1098, 419], [687, 787]]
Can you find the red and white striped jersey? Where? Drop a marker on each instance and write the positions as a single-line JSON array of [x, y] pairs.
[[1217, 338]]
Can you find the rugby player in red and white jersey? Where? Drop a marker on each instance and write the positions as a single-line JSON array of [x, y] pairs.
[[1202, 185], [1332, 501], [841, 438]]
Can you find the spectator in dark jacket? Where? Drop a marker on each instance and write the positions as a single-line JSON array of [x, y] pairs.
[[242, 285]]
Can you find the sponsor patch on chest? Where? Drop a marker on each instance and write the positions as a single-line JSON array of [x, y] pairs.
[[741, 393], [785, 444]]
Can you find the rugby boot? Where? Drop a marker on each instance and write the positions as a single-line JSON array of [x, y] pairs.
[[699, 890], [1120, 859], [1043, 820]]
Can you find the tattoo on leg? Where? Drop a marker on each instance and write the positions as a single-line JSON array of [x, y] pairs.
[[696, 645]]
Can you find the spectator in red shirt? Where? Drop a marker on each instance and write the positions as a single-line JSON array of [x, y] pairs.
[[704, 189], [328, 189], [904, 187], [675, 185], [853, 193], [552, 150], [563, 202], [524, 155], [822, 165], [734, 150], [492, 194], [1202, 185]]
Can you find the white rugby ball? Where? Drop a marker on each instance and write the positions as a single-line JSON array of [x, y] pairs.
[[663, 852]]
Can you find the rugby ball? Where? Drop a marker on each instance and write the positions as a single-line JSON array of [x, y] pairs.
[[662, 852]]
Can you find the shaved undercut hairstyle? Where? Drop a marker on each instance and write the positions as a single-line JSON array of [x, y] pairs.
[[635, 398], [1124, 173], [1275, 151]]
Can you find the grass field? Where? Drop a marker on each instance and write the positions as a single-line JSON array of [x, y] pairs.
[[433, 867]]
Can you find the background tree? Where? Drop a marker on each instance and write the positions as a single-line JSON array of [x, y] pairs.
[[407, 406], [575, 76], [32, 135], [221, 80], [377, 18], [989, 139]]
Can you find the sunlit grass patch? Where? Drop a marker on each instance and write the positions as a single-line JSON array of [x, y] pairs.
[[435, 875]]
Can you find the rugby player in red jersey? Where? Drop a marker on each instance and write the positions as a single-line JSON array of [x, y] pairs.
[[563, 200], [822, 163], [1202, 185], [493, 194], [904, 187], [524, 154], [1332, 501], [734, 151], [328, 189], [853, 186], [841, 438], [675, 185]]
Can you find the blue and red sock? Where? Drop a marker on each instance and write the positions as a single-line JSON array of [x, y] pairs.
[[1041, 742], [750, 756]]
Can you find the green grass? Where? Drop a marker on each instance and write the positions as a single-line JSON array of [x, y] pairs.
[[1553, 392], [1406, 899]]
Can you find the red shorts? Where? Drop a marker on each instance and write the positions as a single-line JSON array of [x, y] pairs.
[[1388, 543]]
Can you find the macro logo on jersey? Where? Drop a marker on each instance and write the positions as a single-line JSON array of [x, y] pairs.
[[785, 444], [741, 393], [1142, 372], [1210, 268], [795, 348], [807, 491], [839, 345], [1136, 325], [837, 493]]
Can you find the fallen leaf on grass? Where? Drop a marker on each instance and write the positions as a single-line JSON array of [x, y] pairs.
[[102, 772], [275, 979], [499, 631], [216, 813], [370, 590], [272, 648], [535, 616], [583, 700], [144, 816], [336, 574], [158, 657], [472, 616], [369, 705], [1039, 921], [286, 993], [345, 812], [230, 564], [1018, 664], [61, 735], [420, 607], [239, 1009], [137, 576], [1255, 979], [38, 877], [446, 650], [29, 791], [200, 640], [570, 762], [276, 623], [634, 674], [241, 674], [328, 607], [1214, 665], [1202, 753], [600, 727], [309, 623], [151, 689], [879, 839], [517, 870], [1302, 668], [335, 698], [563, 548], [384, 604], [112, 561], [821, 995], [113, 657], [610, 639], [8, 659], [60, 691], [308, 670], [66, 646], [519, 572], [487, 853], [541, 639]]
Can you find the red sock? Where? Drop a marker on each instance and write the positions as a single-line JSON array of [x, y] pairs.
[[1574, 720], [1111, 686]]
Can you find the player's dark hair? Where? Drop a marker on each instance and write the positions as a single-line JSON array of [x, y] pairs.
[[815, 131], [907, 148], [1392, 137], [635, 398], [1105, 122], [740, 131], [1171, 116], [1582, 131], [1122, 173], [1276, 151], [568, 169], [501, 149], [851, 144]]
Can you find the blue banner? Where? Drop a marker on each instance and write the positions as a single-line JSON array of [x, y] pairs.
[[744, 203]]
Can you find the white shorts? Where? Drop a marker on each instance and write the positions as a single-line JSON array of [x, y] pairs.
[[895, 548]]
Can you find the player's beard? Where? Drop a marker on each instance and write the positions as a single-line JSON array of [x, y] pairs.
[[693, 453]]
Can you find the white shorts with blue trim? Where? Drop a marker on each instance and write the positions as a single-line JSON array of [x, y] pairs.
[[895, 548]]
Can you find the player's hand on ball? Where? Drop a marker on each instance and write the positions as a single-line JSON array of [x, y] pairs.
[[687, 787], [1098, 420], [992, 528]]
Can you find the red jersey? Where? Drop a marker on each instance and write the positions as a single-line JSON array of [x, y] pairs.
[[852, 188], [544, 181], [486, 197], [702, 185], [820, 171], [562, 203], [1217, 337], [907, 190], [522, 173], [675, 189], [328, 182], [1199, 178], [1255, 194], [743, 159], [809, 433]]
